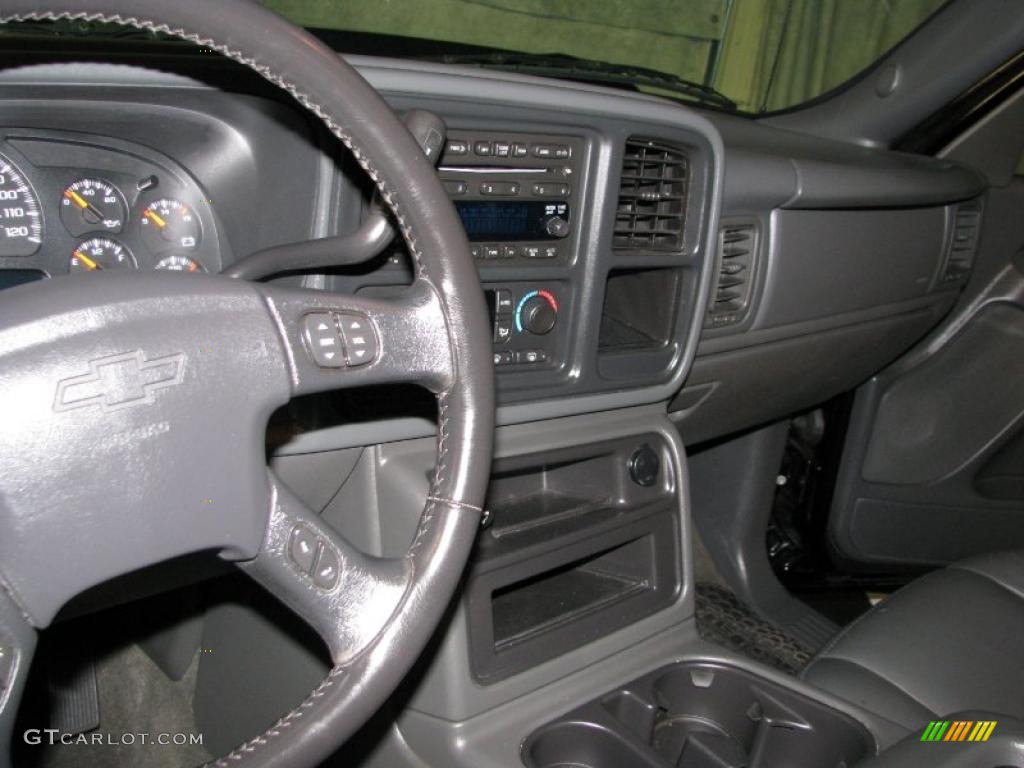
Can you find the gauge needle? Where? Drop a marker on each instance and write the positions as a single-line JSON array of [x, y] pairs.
[[155, 218], [82, 203], [87, 261]]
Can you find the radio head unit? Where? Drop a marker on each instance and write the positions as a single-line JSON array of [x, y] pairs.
[[514, 220], [516, 193]]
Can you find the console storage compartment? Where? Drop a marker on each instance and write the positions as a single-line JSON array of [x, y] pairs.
[[576, 548], [700, 715]]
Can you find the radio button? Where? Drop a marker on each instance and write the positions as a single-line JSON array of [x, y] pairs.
[[475, 251], [520, 150], [532, 252], [492, 251], [502, 149], [549, 151], [457, 147], [456, 187], [509, 251], [500, 188], [551, 252], [482, 148], [542, 189]]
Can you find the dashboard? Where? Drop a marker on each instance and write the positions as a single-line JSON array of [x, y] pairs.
[[73, 203], [632, 250]]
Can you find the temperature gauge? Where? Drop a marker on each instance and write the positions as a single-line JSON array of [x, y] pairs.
[[177, 263], [101, 254], [91, 205], [170, 224]]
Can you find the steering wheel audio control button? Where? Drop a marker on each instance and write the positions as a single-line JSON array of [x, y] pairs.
[[327, 568], [323, 341], [360, 339], [303, 548]]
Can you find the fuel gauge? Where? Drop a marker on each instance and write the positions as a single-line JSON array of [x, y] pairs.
[[101, 254]]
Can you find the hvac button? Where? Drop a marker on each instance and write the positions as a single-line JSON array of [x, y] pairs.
[[323, 340], [360, 340]]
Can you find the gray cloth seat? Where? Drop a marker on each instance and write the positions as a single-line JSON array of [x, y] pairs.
[[952, 640]]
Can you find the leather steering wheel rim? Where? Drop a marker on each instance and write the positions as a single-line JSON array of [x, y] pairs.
[[371, 655]]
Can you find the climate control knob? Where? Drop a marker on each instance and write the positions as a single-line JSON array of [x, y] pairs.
[[537, 313]]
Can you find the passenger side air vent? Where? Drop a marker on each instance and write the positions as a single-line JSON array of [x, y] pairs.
[[963, 243], [652, 197], [734, 274]]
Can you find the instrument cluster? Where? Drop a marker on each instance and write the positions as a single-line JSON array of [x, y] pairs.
[[76, 203]]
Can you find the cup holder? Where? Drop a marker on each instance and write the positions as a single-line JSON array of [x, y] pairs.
[[700, 715]]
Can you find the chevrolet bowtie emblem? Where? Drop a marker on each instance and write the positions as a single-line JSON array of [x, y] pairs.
[[120, 381]]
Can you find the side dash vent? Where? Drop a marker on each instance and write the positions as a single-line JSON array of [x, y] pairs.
[[734, 275], [652, 197], [963, 243]]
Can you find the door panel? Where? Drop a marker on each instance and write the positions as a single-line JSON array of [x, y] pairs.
[[933, 464]]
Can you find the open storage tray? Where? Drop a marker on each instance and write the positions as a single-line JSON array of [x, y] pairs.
[[576, 549], [700, 715]]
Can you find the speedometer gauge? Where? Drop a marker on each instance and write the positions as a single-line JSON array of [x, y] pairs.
[[21, 223]]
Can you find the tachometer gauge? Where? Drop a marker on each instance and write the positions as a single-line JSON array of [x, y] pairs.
[[101, 254], [170, 224], [178, 263], [21, 223], [92, 205]]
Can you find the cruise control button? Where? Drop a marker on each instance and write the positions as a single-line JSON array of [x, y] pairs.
[[303, 547], [323, 340], [360, 340]]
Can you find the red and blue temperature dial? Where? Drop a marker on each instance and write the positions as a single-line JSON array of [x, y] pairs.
[[537, 312]]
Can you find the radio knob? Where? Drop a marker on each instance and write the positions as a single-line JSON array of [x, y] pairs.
[[538, 315], [556, 226]]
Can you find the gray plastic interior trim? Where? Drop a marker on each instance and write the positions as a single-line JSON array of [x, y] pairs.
[[448, 690], [493, 739]]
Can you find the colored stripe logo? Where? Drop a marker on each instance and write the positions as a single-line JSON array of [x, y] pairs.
[[958, 730]]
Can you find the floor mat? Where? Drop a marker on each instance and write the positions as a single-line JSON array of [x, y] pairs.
[[724, 620]]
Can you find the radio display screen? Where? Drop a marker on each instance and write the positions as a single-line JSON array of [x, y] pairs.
[[508, 221]]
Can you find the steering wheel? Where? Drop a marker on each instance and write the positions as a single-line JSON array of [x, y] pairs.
[[134, 408]]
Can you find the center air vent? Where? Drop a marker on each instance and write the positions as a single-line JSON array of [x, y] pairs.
[[734, 275], [652, 197], [963, 243]]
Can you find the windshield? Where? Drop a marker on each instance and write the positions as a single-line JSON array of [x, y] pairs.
[[748, 55]]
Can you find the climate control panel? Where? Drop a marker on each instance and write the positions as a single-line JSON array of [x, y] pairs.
[[525, 317]]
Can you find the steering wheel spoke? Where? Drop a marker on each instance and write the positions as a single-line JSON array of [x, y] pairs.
[[337, 341], [344, 594]]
